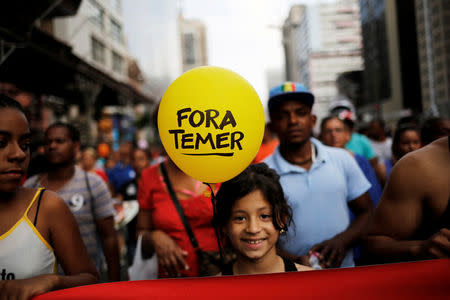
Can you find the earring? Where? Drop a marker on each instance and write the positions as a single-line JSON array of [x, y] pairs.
[[282, 231]]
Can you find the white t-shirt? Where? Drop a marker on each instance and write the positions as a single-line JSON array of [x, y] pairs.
[[382, 149]]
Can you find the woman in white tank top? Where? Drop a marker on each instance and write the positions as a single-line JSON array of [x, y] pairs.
[[37, 229]]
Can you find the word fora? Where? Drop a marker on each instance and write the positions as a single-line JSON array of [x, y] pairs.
[[207, 118]]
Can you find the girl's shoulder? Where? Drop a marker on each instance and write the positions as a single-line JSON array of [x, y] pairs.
[[49, 201]]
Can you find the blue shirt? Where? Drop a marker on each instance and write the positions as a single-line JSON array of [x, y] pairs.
[[120, 174], [318, 197], [374, 192], [360, 144], [375, 189]]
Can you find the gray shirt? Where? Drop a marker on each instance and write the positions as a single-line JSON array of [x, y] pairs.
[[76, 195]]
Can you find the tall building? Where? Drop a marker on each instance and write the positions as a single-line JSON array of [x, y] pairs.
[[433, 38], [324, 41], [296, 24], [95, 34], [76, 61], [391, 76], [407, 64], [193, 43]]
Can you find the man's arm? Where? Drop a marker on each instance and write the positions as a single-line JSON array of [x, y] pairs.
[[333, 251], [380, 170], [398, 215], [108, 236]]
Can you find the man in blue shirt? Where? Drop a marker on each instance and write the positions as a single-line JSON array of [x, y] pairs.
[[122, 172], [319, 182]]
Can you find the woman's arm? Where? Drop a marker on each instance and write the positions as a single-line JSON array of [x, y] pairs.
[[170, 256], [69, 249]]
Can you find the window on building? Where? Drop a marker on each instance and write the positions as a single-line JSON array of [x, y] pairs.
[[116, 31], [96, 13], [98, 50], [117, 62], [189, 49]]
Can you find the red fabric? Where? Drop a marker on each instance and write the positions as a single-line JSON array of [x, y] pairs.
[[265, 150], [102, 174], [153, 196], [415, 280]]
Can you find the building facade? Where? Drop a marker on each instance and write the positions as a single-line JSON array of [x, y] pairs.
[[193, 43], [433, 39], [406, 58], [95, 34], [325, 41], [76, 61]]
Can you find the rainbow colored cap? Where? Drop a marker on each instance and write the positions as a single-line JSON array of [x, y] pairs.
[[289, 91]]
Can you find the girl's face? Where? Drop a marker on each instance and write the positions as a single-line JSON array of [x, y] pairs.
[[409, 141], [15, 140], [139, 161], [250, 228]]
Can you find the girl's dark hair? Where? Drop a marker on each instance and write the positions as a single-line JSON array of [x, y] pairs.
[[7, 102], [255, 177], [396, 152]]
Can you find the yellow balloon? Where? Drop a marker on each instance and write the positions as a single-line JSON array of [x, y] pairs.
[[211, 123]]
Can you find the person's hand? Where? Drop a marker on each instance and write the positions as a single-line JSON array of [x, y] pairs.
[[24, 289], [170, 256], [331, 252], [438, 245], [302, 260]]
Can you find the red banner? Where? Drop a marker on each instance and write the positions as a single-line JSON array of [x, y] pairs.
[[413, 280]]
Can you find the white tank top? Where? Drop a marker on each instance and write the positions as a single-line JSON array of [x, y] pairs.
[[24, 253]]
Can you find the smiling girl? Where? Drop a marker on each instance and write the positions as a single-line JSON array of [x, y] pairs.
[[252, 212], [37, 229]]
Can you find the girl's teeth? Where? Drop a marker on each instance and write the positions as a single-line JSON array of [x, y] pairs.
[[254, 242]]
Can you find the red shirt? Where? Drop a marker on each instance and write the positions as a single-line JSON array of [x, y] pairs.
[[266, 150], [153, 196], [102, 174]]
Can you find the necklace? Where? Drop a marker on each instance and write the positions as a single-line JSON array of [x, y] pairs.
[[311, 159], [303, 161]]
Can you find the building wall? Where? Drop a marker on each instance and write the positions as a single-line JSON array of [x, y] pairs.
[[382, 91], [89, 30], [392, 106], [435, 101], [324, 70], [397, 69], [296, 49], [193, 43], [326, 42]]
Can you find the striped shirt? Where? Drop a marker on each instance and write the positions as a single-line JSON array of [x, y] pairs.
[[76, 195]]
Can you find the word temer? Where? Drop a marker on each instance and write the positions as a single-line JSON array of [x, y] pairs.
[[207, 118]]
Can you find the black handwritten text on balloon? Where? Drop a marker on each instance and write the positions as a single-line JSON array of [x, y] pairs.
[[207, 118]]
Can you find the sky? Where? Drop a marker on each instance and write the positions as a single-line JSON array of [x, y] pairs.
[[242, 35]]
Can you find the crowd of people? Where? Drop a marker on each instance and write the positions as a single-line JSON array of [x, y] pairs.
[[346, 196]]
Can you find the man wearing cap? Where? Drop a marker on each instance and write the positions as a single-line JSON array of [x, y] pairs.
[[319, 182]]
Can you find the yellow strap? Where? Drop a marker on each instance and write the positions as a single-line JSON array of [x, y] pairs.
[[32, 200]]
